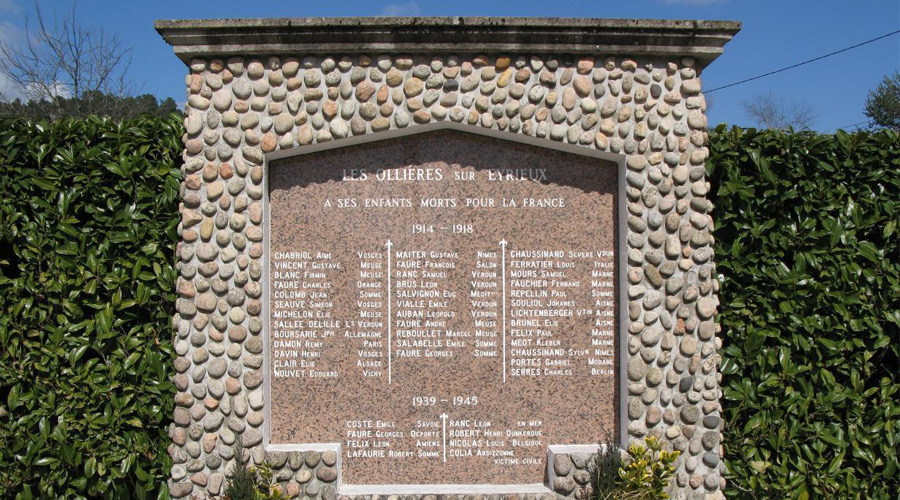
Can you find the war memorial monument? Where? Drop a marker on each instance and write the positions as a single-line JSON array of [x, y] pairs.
[[444, 256]]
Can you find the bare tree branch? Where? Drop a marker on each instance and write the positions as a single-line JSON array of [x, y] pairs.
[[773, 112], [65, 61]]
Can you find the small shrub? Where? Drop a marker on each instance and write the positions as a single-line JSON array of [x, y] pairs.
[[242, 483], [649, 471], [267, 488], [251, 483], [604, 469], [645, 476]]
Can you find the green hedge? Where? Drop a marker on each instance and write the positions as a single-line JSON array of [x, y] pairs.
[[88, 215], [807, 242]]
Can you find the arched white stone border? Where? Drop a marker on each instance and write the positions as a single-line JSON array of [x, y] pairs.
[[622, 312]]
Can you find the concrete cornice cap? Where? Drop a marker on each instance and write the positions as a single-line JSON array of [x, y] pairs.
[[702, 40]]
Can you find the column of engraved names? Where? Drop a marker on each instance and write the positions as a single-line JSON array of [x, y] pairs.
[[366, 333], [424, 307], [302, 320], [485, 298], [549, 310], [603, 338], [367, 340], [538, 299]]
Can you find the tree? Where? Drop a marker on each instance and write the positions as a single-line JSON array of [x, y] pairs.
[[773, 112], [101, 104], [69, 69], [883, 103]]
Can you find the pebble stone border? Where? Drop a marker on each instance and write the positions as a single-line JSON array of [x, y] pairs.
[[239, 109]]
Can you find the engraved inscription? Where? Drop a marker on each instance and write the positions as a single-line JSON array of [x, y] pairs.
[[443, 306]]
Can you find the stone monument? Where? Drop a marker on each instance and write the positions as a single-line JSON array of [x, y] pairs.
[[444, 256]]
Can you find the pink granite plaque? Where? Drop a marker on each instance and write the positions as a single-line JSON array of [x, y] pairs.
[[443, 306]]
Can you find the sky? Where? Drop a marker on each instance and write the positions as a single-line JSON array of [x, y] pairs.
[[775, 34]]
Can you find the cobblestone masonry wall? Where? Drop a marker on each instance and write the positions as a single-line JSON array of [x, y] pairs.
[[241, 108]]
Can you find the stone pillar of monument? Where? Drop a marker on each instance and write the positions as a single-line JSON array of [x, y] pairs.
[[443, 256]]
